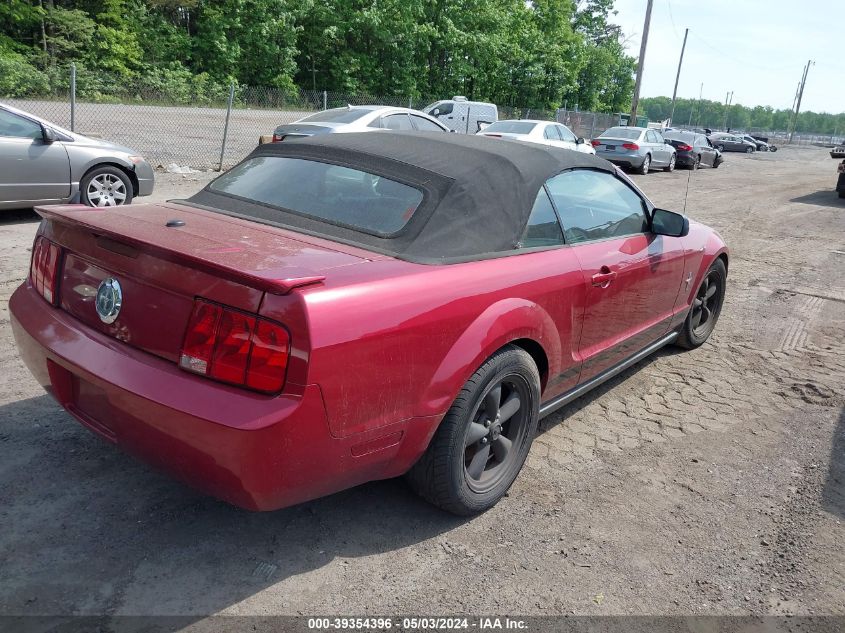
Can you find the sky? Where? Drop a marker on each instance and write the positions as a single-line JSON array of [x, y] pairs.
[[755, 48]]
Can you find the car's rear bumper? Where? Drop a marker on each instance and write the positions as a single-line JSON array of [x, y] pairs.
[[685, 159], [624, 160], [254, 451]]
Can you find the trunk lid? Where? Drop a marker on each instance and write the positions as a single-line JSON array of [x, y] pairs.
[[161, 269]]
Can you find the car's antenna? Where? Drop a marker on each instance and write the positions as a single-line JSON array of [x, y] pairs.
[[686, 195]]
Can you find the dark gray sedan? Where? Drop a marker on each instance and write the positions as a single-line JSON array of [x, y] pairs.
[[732, 143], [41, 163]]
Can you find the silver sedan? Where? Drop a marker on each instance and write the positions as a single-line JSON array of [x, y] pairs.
[[41, 163], [636, 148]]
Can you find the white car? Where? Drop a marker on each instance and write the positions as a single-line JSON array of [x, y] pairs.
[[542, 132], [366, 118]]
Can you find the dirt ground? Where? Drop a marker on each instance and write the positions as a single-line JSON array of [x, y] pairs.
[[704, 482]]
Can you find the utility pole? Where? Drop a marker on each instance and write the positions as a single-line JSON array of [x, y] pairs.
[[800, 95], [700, 94], [678, 77], [636, 100], [729, 97]]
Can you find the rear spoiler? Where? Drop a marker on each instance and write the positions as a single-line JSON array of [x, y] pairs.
[[130, 240]]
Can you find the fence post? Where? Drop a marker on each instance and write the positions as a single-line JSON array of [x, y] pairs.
[[226, 125], [593, 126], [325, 100], [72, 97], [410, 103]]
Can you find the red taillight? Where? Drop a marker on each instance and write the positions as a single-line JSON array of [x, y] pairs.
[[44, 269], [684, 147], [595, 142], [268, 358], [235, 347], [630, 146], [278, 138]]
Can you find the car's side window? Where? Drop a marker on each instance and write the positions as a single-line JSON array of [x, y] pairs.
[[566, 134], [543, 228], [397, 122], [424, 125], [550, 134], [12, 125], [596, 205]]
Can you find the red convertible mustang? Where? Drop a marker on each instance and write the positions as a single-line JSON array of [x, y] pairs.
[[354, 307]]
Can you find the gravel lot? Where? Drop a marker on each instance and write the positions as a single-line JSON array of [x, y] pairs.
[[704, 482]]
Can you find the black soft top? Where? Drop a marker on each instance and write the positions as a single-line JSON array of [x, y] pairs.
[[477, 191]]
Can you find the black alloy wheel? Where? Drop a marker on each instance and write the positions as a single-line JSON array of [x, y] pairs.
[[706, 307], [483, 440], [499, 423]]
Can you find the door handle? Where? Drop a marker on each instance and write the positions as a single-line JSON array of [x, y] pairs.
[[603, 278]]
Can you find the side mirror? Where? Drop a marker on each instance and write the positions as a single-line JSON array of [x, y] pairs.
[[669, 223], [435, 112], [48, 135], [666, 141], [580, 140]]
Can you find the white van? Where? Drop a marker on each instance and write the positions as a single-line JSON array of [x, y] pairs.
[[463, 116]]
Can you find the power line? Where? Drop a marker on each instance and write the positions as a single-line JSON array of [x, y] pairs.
[[672, 19], [734, 59]]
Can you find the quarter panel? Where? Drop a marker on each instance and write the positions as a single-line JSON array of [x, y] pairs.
[[402, 342]]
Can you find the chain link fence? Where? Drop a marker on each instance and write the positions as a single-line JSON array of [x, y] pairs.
[[187, 128]]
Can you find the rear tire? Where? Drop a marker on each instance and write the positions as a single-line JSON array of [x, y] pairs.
[[643, 169], [696, 163], [483, 441], [706, 307], [749, 150], [720, 147]]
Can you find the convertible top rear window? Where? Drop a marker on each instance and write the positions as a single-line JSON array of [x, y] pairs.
[[332, 193]]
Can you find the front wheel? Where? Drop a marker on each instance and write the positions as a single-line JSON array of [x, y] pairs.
[[706, 307], [749, 150], [483, 441], [720, 147], [105, 187], [671, 165], [645, 166]]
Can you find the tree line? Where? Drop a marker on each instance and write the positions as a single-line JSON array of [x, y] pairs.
[[538, 54], [718, 116]]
